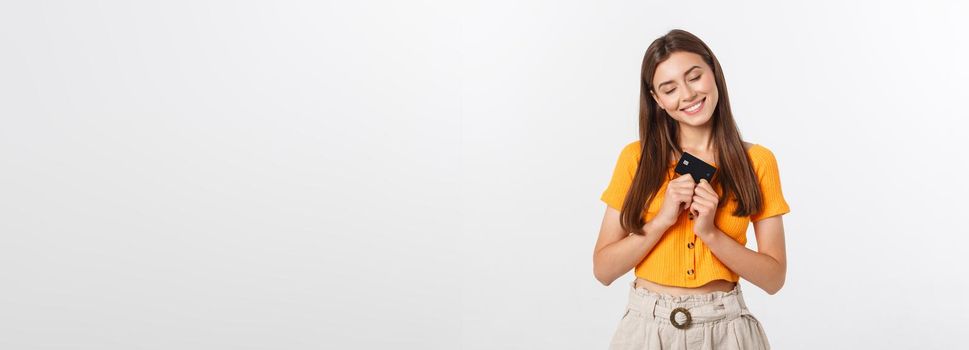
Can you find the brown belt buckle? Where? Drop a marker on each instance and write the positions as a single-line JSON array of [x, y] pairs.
[[689, 318]]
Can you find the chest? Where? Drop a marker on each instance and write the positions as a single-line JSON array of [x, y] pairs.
[[733, 226]]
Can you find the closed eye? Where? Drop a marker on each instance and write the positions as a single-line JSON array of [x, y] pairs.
[[674, 89]]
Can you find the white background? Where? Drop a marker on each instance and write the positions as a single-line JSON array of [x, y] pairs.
[[426, 175]]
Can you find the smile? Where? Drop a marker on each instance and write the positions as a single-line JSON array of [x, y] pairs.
[[696, 107]]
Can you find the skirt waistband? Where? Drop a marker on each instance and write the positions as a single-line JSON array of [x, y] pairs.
[[699, 308]]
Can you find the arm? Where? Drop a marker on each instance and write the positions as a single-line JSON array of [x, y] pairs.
[[766, 268], [617, 252]]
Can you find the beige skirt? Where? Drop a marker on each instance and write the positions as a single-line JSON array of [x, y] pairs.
[[711, 321]]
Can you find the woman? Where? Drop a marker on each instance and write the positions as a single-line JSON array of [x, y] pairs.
[[686, 239]]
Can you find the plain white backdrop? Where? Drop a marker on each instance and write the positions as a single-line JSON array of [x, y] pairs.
[[426, 175]]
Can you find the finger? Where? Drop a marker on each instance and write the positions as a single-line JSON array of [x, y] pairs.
[[678, 195], [701, 208], [701, 194], [689, 185], [706, 204], [687, 178], [708, 190], [696, 210], [677, 186], [687, 203], [683, 183], [706, 194], [706, 186], [689, 190], [697, 203], [686, 194]]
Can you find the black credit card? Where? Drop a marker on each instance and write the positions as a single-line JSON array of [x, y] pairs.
[[698, 169]]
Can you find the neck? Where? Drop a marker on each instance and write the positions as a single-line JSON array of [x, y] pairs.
[[696, 138]]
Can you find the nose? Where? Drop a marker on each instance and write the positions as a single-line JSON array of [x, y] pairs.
[[690, 94]]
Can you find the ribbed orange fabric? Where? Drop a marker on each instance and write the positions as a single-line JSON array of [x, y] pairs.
[[672, 261]]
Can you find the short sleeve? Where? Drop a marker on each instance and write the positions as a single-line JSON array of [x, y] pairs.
[[768, 175], [622, 176]]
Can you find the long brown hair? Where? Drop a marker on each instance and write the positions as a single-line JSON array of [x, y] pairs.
[[658, 136]]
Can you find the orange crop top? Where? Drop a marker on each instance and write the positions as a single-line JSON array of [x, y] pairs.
[[680, 258]]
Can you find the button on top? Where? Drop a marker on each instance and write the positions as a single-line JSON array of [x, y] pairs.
[[689, 245], [689, 272]]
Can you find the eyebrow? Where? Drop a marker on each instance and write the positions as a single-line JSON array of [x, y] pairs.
[[670, 81]]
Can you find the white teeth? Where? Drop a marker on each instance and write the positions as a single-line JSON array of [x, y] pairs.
[[694, 108]]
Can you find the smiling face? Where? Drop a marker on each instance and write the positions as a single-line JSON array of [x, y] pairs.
[[685, 87]]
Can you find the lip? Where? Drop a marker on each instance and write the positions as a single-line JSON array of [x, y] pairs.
[[703, 103]]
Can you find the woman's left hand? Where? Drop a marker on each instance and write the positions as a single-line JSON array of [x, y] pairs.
[[705, 201]]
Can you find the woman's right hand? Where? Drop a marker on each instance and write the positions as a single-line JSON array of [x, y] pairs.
[[679, 196]]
